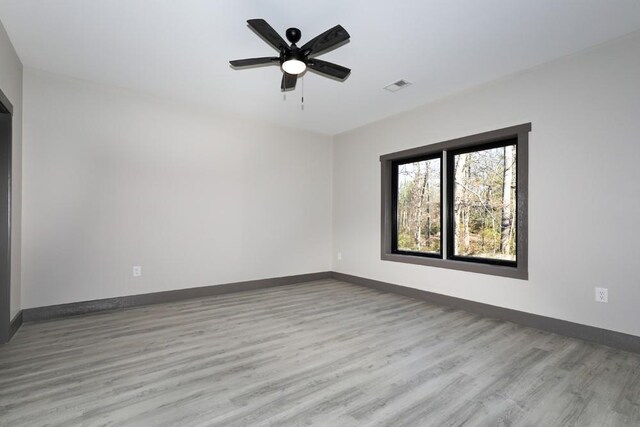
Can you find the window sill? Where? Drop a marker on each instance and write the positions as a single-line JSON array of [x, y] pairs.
[[519, 272]]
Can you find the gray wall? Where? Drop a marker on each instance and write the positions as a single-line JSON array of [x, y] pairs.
[[114, 178], [584, 180], [11, 85]]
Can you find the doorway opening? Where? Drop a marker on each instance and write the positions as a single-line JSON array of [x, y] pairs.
[[6, 113]]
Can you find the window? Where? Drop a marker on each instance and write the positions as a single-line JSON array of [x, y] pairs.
[[459, 204], [482, 201], [417, 204]]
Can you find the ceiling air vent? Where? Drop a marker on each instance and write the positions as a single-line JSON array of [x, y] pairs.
[[396, 86]]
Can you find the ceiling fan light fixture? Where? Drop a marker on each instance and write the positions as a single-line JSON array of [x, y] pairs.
[[294, 66], [295, 60]]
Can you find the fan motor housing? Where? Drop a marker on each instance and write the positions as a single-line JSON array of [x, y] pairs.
[[294, 53]]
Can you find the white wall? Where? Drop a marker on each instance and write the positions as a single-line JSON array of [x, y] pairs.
[[584, 194], [11, 85], [114, 179]]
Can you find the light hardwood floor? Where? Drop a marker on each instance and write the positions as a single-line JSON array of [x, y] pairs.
[[323, 353]]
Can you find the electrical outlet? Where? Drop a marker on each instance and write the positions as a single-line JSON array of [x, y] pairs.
[[137, 271], [339, 256], [602, 295]]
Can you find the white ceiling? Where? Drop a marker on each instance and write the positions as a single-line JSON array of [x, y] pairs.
[[180, 49]]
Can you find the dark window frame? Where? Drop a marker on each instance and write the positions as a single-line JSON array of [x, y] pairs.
[[518, 271], [394, 204]]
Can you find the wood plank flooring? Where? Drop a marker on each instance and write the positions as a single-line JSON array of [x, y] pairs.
[[324, 353]]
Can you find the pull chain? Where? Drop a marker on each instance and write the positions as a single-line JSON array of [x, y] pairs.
[[302, 99]]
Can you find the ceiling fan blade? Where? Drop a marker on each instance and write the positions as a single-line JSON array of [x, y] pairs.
[[288, 81], [326, 40], [328, 68], [254, 61], [267, 32]]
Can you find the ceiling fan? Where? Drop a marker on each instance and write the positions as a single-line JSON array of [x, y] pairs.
[[295, 60]]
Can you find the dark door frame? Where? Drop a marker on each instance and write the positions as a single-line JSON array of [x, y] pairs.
[[6, 116]]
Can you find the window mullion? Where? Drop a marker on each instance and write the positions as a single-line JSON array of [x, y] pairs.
[[444, 206]]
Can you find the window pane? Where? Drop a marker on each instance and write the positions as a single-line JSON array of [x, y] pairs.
[[485, 204], [418, 213]]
